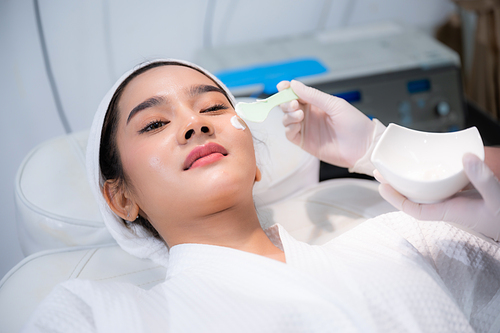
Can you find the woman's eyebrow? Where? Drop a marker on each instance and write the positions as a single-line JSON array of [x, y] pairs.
[[204, 88], [150, 102]]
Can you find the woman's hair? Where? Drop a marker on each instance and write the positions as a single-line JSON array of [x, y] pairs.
[[109, 156]]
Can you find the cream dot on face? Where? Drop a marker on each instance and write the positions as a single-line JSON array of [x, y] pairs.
[[238, 123]]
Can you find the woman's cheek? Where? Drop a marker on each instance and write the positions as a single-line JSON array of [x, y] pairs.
[[143, 164]]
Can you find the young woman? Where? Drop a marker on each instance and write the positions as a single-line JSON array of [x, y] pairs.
[[173, 177]]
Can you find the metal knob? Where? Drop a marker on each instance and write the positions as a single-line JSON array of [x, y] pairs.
[[443, 109]]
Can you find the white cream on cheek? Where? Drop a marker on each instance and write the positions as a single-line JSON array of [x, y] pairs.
[[154, 163], [237, 123]]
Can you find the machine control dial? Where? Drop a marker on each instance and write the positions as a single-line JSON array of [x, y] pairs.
[[443, 109]]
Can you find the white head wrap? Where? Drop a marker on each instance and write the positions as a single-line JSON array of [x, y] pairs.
[[134, 239]]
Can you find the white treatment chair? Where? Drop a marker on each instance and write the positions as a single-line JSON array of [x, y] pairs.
[[63, 236]]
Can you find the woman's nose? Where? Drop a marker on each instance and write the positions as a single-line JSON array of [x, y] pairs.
[[196, 126]]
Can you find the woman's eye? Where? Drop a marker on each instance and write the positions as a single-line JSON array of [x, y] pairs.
[[153, 126], [215, 108]]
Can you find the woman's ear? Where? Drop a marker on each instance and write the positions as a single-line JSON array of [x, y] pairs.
[[258, 175], [120, 200]]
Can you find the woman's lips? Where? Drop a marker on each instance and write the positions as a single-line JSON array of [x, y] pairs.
[[203, 155]]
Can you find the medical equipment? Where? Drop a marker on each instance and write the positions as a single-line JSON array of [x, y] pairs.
[[389, 72], [259, 110]]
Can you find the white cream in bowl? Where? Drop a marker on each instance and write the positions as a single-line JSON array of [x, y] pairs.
[[425, 167]]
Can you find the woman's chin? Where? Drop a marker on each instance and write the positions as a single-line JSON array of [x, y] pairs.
[[226, 187]]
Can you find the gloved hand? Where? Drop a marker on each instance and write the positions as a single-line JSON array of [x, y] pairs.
[[477, 208], [329, 128]]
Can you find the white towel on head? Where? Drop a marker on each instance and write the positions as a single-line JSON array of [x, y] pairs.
[[134, 239]]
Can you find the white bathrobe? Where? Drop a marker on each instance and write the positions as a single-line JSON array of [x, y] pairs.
[[390, 274]]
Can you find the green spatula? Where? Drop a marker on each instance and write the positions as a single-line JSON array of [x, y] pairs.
[[258, 111]]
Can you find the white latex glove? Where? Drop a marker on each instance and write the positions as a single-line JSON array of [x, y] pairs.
[[477, 209], [330, 128]]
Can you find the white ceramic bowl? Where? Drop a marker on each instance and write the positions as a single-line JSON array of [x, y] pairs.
[[425, 167]]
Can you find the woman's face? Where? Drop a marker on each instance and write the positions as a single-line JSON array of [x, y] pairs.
[[179, 151]]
